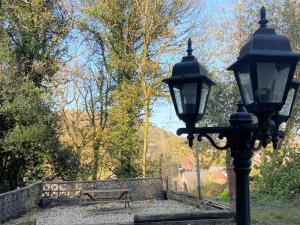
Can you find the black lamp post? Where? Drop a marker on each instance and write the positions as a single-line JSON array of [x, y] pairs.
[[264, 72]]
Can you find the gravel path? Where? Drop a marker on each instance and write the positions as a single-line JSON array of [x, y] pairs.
[[102, 213]]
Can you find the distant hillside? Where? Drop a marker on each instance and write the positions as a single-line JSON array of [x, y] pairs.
[[161, 141], [172, 148]]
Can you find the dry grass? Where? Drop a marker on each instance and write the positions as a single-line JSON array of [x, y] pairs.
[[268, 214]]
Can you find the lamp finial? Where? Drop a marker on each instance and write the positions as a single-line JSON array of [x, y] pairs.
[[263, 21], [190, 138], [189, 50]]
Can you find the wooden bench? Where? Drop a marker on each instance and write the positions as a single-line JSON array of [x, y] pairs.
[[100, 196]]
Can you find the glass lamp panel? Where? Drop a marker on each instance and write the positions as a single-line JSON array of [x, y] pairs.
[[285, 111], [272, 79], [203, 99], [189, 95], [178, 99], [246, 86]]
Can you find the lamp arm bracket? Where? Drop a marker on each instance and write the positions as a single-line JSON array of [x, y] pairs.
[[211, 140], [205, 131], [222, 131]]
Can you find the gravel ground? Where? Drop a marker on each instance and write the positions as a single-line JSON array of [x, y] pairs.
[[102, 213]]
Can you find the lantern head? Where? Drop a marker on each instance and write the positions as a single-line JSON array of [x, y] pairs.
[[189, 86]]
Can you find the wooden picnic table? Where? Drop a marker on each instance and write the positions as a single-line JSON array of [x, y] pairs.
[[101, 196]]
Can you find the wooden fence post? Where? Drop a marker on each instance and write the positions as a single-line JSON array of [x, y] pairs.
[[167, 183], [198, 171]]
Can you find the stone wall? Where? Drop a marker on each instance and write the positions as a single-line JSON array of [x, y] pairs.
[[69, 191], [16, 203]]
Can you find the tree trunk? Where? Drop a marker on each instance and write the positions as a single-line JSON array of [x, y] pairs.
[[146, 133], [95, 162], [4, 162]]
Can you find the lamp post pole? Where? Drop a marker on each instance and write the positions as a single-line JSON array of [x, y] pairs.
[[241, 151], [242, 170]]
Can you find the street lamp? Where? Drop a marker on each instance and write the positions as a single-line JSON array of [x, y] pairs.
[[264, 73]]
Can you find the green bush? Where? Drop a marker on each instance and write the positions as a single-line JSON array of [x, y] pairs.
[[279, 178], [224, 196], [213, 189]]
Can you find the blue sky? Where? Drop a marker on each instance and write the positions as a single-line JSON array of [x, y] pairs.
[[164, 115]]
